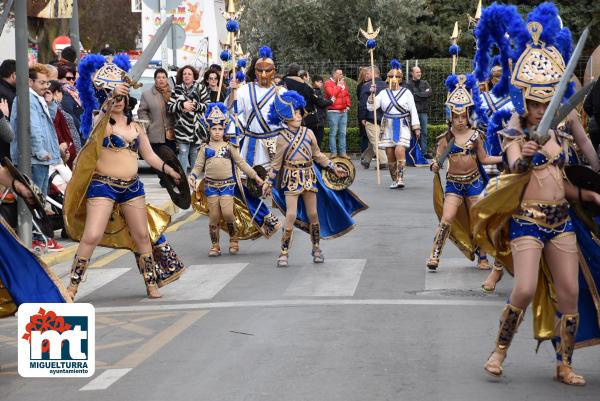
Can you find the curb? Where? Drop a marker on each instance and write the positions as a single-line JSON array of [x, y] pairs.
[[68, 252]]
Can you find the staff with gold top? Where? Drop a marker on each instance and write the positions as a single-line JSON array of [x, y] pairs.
[[370, 35]]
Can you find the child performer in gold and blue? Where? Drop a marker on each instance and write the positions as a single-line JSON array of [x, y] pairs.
[[219, 159], [524, 218], [466, 178], [298, 187], [24, 277], [105, 200]]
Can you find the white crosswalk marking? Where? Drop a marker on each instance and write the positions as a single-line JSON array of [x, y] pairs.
[[105, 380], [97, 278], [455, 274], [334, 278], [201, 282]]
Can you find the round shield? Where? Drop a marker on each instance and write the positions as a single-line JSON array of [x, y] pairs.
[[336, 183], [254, 189], [36, 206], [179, 193]]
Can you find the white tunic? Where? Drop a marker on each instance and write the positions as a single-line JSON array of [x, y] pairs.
[[407, 116], [256, 137]]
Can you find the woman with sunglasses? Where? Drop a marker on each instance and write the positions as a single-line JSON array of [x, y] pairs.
[[211, 80], [105, 200], [71, 102]]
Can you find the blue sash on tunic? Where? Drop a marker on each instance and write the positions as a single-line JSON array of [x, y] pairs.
[[396, 119]]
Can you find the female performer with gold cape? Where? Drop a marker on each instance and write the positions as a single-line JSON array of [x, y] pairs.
[[524, 217], [104, 202]]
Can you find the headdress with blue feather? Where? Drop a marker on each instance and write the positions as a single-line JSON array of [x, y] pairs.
[[93, 89], [284, 106], [540, 44]]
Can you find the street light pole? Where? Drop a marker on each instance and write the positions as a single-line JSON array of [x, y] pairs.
[[23, 125], [75, 30], [164, 55]]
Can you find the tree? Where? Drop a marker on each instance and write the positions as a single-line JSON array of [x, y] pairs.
[[108, 22], [326, 30]]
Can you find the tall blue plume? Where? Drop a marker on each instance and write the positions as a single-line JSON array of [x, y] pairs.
[[87, 67], [395, 64], [265, 52]]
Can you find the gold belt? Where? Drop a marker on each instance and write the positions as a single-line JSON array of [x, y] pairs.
[[211, 182], [464, 178], [544, 213], [117, 182], [298, 164]]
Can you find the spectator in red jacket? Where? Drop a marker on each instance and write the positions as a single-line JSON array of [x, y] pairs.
[[336, 90]]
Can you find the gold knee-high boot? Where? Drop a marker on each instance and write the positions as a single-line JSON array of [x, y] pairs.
[[394, 174], [315, 237], [78, 269], [215, 249], [441, 235], [147, 267], [567, 331], [400, 167], [286, 243], [234, 245], [510, 319]]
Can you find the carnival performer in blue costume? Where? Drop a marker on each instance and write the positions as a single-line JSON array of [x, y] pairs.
[[400, 119], [23, 276], [297, 185], [524, 219], [222, 186], [466, 178], [104, 201], [258, 137]]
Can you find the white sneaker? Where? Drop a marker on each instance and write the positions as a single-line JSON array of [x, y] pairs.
[[393, 185], [400, 184]]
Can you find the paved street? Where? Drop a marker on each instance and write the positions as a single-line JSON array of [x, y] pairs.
[[369, 324]]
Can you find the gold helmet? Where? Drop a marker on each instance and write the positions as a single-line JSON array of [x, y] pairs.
[[265, 67], [395, 75]]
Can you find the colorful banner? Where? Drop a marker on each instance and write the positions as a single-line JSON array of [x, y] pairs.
[[197, 18]]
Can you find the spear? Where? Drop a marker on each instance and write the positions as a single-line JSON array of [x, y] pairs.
[[225, 57], [370, 35], [454, 46]]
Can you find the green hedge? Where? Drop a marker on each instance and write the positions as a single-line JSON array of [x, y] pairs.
[[353, 137]]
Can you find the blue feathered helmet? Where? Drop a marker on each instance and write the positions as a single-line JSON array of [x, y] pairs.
[[464, 97], [97, 77], [284, 106], [265, 67], [395, 75], [537, 49], [216, 114]]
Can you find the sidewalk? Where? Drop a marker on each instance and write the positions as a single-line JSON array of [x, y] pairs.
[[155, 195]]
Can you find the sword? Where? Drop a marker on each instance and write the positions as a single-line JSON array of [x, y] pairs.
[[573, 102], [442, 159], [140, 66], [5, 14], [262, 202], [540, 134]]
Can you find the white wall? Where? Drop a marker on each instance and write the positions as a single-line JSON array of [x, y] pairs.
[[7, 43]]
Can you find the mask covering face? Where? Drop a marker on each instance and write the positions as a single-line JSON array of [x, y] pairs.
[[265, 72], [394, 79]]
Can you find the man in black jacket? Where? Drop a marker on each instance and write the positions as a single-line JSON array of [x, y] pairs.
[[292, 81], [321, 112], [8, 92], [367, 119], [421, 92]]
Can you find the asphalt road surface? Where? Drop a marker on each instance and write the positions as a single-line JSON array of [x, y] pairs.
[[369, 324]]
